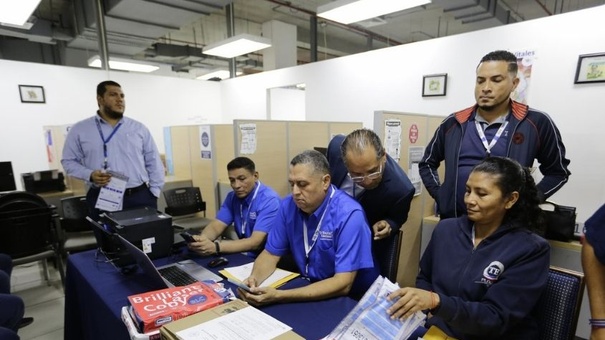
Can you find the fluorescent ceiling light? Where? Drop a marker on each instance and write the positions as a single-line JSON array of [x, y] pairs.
[[237, 45], [124, 65], [26, 26], [350, 11], [217, 74], [17, 12]]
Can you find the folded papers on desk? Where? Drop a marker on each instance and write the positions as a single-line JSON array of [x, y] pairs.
[[232, 320], [369, 318], [240, 273]]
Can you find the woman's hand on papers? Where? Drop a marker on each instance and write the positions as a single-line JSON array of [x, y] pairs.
[[410, 300]]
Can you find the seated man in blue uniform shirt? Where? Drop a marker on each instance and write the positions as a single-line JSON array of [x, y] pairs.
[[251, 207], [326, 232]]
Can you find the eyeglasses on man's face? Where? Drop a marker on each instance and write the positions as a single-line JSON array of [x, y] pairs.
[[361, 179]]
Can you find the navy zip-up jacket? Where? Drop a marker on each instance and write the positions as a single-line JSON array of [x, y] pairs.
[[534, 136], [488, 292]]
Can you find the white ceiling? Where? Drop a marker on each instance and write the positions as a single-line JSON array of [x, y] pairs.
[[134, 26]]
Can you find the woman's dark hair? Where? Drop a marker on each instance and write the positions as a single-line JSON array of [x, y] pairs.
[[511, 176]]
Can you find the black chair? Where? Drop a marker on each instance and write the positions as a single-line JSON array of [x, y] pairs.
[[185, 205], [75, 233], [387, 255], [558, 309], [28, 230]]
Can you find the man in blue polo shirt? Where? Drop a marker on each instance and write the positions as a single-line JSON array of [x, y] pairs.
[[326, 232], [251, 207]]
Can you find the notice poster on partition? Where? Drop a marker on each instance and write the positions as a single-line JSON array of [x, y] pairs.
[[525, 61], [205, 142], [392, 138], [248, 143], [415, 156]]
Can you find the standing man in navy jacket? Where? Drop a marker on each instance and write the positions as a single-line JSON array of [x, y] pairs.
[[360, 166], [494, 126]]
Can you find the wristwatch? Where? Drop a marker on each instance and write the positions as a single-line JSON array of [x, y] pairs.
[[218, 247]]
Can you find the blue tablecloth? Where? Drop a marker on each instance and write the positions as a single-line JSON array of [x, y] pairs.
[[95, 291]]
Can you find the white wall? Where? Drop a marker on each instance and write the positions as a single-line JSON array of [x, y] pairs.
[[352, 88], [344, 89], [71, 96], [286, 104]]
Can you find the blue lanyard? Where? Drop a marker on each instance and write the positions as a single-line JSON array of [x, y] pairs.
[[315, 234], [241, 210], [105, 141]]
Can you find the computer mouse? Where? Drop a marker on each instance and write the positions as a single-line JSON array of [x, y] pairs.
[[219, 261]]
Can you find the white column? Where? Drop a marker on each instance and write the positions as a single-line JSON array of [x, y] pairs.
[[282, 52]]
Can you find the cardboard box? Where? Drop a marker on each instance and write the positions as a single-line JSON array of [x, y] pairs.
[[168, 331]]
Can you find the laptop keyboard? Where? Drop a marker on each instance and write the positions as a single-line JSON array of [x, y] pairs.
[[177, 276]]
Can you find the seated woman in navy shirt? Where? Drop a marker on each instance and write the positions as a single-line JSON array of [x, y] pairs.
[[482, 274]]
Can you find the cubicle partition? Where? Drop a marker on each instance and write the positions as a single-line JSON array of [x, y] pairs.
[[272, 144], [405, 136], [201, 153], [54, 140]]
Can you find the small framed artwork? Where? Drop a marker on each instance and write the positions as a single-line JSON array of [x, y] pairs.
[[591, 68], [434, 85], [32, 94]]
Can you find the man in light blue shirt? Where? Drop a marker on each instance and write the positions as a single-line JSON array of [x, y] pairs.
[[110, 141], [251, 207], [327, 234]]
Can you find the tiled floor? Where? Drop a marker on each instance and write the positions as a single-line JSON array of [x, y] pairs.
[[43, 302]]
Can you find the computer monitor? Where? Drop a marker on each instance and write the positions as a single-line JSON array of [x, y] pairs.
[[7, 178]]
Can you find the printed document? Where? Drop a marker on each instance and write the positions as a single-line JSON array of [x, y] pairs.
[[240, 273], [244, 324], [369, 319], [111, 196]]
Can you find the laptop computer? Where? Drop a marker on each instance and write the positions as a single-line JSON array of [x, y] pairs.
[[176, 274]]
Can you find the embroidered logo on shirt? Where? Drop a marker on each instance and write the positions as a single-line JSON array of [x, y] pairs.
[[252, 215], [325, 235], [491, 273], [518, 138]]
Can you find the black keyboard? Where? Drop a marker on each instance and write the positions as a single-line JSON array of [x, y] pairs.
[[177, 276]]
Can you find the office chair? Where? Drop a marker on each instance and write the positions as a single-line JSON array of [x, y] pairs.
[[75, 233], [184, 205], [558, 309], [28, 230], [387, 255]]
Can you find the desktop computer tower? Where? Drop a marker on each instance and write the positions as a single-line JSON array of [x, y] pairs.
[[146, 228]]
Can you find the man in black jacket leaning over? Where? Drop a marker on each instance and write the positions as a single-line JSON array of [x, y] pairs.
[[360, 166]]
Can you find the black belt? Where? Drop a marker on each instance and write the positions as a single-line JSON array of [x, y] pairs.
[[131, 191]]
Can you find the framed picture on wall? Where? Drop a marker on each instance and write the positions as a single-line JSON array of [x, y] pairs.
[[32, 94], [434, 85], [591, 68]]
